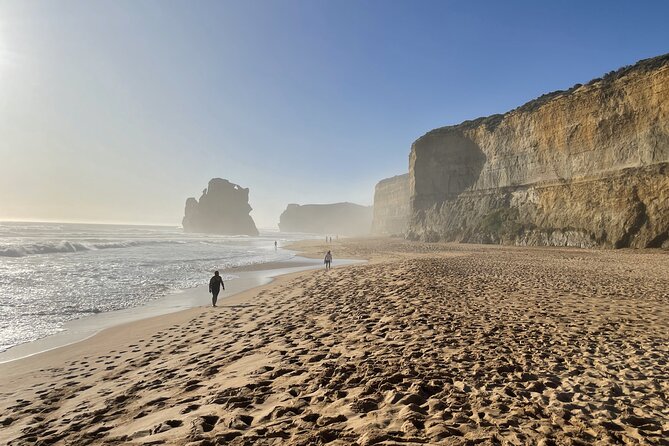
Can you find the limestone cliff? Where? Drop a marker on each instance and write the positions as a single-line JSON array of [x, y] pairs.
[[335, 218], [223, 208], [391, 206], [584, 167]]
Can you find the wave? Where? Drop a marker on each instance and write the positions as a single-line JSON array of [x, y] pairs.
[[68, 311], [65, 246]]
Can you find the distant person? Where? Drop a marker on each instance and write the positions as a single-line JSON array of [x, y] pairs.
[[275, 245], [328, 260], [215, 285]]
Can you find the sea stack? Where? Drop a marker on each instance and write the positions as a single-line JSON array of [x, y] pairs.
[[584, 167], [223, 208], [334, 218]]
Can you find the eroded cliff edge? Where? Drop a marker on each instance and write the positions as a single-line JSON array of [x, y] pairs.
[[584, 167], [223, 208], [391, 206]]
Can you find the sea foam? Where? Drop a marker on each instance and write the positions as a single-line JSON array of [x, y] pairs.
[[53, 273]]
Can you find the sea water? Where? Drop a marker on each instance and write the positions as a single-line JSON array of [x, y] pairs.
[[51, 273]]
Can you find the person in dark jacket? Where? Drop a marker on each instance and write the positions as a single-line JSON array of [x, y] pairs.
[[328, 260], [215, 285]]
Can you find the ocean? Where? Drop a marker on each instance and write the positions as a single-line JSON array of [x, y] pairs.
[[52, 273]]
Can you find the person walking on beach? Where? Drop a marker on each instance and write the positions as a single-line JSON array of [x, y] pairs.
[[275, 245], [215, 284], [328, 260]]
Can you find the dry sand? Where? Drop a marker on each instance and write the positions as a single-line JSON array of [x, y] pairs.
[[426, 344]]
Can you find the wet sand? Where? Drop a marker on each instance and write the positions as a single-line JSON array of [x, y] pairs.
[[425, 344], [244, 278]]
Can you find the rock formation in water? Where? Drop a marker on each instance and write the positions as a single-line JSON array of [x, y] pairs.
[[336, 218], [391, 206], [223, 209], [584, 167]]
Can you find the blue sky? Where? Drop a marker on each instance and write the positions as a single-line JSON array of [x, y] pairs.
[[119, 110]]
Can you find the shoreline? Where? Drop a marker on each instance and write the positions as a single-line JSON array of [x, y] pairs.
[[438, 344], [247, 278]]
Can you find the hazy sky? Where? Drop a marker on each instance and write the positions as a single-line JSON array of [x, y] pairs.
[[119, 110]]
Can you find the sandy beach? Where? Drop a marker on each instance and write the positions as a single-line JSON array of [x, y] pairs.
[[238, 280], [425, 344]]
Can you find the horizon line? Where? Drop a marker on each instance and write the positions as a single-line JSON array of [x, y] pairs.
[[108, 223]]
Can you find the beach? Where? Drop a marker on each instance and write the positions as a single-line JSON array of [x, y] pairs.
[[424, 344], [238, 280]]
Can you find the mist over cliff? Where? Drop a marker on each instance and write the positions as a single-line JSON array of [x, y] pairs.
[[391, 206], [334, 218], [583, 167]]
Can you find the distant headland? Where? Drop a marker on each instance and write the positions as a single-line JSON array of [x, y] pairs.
[[334, 218]]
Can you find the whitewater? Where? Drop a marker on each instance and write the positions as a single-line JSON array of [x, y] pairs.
[[52, 273]]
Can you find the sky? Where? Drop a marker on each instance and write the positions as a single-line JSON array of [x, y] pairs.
[[117, 111]]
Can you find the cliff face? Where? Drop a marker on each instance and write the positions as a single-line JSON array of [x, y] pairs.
[[391, 205], [584, 167], [336, 218], [223, 208]]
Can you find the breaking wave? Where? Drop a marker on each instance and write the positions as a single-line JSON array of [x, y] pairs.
[[65, 246], [70, 310]]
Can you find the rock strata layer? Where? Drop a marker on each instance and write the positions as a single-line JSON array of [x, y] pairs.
[[335, 218], [584, 167], [223, 208], [391, 206]]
